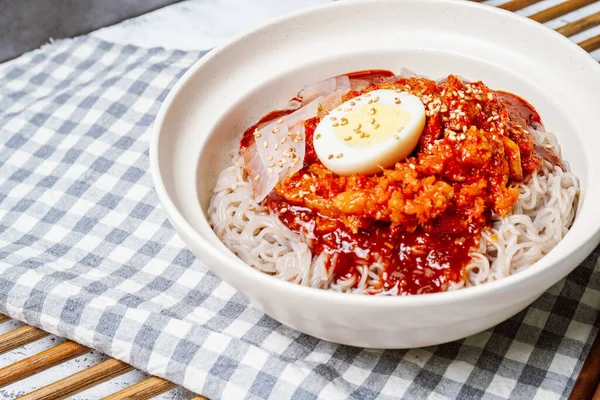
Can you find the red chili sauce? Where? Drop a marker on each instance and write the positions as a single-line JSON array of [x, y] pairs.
[[423, 218]]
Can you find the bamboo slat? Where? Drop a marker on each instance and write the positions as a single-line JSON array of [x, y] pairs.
[[80, 381], [597, 394], [591, 44], [580, 25], [40, 362], [143, 390], [3, 318], [516, 5], [560, 9], [19, 337]]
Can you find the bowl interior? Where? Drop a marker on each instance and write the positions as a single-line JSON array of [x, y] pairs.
[[228, 90]]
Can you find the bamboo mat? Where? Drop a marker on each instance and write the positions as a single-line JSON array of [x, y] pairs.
[[14, 340]]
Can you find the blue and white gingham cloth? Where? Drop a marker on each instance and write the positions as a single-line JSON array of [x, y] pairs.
[[87, 253]]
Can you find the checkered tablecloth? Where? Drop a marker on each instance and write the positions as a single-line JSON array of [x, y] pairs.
[[87, 253]]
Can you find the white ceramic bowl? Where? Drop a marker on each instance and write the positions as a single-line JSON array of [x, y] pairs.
[[228, 89]]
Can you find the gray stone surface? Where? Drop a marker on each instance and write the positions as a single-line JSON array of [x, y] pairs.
[[27, 24]]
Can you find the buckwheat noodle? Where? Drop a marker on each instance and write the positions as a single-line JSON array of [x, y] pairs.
[[539, 219]]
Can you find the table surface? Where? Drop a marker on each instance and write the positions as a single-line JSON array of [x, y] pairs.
[[197, 25]]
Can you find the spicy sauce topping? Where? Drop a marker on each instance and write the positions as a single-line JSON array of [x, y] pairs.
[[420, 220]]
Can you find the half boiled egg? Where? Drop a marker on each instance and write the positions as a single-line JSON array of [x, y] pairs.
[[370, 132]]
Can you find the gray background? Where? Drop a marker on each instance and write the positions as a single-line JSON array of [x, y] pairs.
[[27, 24]]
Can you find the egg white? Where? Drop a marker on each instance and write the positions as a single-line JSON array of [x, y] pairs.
[[370, 132]]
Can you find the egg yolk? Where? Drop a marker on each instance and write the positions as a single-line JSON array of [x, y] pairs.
[[370, 124]]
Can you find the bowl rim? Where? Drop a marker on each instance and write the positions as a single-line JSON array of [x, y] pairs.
[[259, 277]]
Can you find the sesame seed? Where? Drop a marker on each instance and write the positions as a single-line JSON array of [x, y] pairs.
[[376, 99], [335, 124], [396, 137], [352, 103], [412, 166], [462, 136], [376, 126], [370, 102], [347, 138], [319, 107], [359, 125], [280, 121], [272, 164], [330, 156], [356, 130], [275, 130], [490, 96], [344, 121], [367, 94], [305, 176], [270, 158], [479, 106], [270, 170], [257, 135], [333, 118], [372, 111], [276, 146], [464, 128], [340, 155], [284, 140], [266, 144], [347, 109], [549, 146], [372, 121], [257, 177], [318, 136], [284, 209]]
